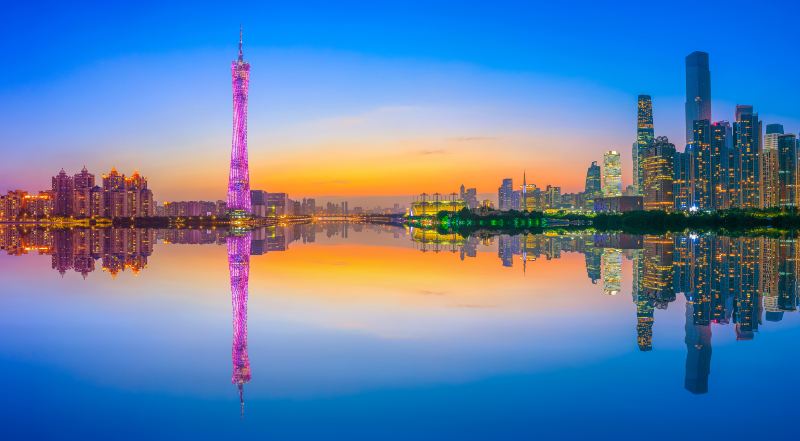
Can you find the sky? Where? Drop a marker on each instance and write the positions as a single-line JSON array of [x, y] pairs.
[[371, 101]]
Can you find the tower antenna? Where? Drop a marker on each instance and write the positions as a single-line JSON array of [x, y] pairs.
[[241, 56]]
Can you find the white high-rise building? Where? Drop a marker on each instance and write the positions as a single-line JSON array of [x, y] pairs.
[[612, 174]]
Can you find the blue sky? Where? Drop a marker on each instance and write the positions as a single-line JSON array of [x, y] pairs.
[[146, 86]]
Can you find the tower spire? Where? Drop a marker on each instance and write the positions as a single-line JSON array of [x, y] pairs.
[[241, 55]]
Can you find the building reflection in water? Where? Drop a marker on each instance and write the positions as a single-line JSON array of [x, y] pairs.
[[724, 280], [239, 266]]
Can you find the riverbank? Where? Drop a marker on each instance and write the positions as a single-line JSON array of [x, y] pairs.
[[633, 222]]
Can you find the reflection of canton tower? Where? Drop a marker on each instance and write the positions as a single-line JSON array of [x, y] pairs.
[[239, 265], [239, 178]]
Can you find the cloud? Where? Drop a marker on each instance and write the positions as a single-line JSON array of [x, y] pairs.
[[432, 293], [427, 152], [332, 182], [473, 306], [474, 138]]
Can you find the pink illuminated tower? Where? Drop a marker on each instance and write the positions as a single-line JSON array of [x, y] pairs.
[[239, 177], [239, 266]]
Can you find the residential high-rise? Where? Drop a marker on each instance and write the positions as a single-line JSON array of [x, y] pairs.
[[63, 186], [505, 194], [700, 166], [644, 135], [787, 171], [115, 195], [698, 91], [747, 151], [239, 177], [83, 183], [770, 184], [721, 148], [612, 174], [657, 163]]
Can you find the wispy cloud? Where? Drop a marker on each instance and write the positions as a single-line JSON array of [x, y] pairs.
[[332, 182], [474, 138], [427, 152], [428, 292], [473, 306]]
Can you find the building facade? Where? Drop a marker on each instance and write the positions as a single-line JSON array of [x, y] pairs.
[[658, 161], [612, 174]]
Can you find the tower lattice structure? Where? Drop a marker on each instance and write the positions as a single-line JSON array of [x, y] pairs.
[[239, 178]]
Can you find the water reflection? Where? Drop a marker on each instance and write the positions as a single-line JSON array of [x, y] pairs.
[[731, 283], [724, 279], [239, 266]]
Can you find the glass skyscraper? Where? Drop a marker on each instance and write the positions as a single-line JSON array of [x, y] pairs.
[[657, 163], [644, 135], [700, 166], [698, 91], [612, 174], [747, 152]]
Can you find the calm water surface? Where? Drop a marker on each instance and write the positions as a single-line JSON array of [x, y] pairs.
[[350, 331]]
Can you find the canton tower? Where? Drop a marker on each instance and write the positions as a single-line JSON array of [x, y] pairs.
[[239, 266], [239, 177]]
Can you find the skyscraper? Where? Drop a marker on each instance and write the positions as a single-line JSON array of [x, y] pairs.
[[787, 171], [644, 135], [239, 177], [700, 166], [593, 186], [698, 91], [63, 186], [769, 166], [504, 195], [747, 151], [81, 202], [658, 161], [721, 147], [680, 187], [612, 174]]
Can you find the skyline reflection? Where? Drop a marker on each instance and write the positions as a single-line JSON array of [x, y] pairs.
[[738, 281]]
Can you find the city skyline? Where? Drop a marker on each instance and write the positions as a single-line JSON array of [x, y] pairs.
[[343, 137]]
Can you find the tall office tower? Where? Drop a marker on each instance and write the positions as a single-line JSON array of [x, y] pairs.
[[83, 183], [787, 171], [239, 266], [635, 161], [644, 135], [747, 151], [658, 162], [769, 167], [698, 91], [612, 174], [593, 184], [721, 147], [504, 195], [63, 186], [700, 166], [680, 187], [239, 177]]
